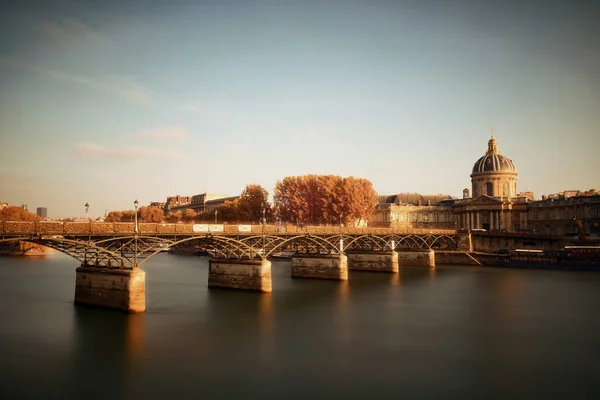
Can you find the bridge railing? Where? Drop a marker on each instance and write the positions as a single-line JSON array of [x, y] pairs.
[[118, 228]]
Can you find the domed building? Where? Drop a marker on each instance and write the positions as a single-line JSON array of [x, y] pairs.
[[493, 174], [495, 204]]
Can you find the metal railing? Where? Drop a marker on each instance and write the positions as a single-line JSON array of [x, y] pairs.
[[15, 228]]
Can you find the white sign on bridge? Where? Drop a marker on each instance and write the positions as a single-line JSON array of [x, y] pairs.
[[215, 228], [244, 228], [200, 228]]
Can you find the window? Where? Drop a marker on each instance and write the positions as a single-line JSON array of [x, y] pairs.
[[490, 188]]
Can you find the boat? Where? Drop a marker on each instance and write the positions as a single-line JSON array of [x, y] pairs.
[[585, 258]]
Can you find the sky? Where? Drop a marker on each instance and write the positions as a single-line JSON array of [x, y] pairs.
[[108, 101]]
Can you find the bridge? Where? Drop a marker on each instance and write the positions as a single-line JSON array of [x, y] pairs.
[[110, 254]]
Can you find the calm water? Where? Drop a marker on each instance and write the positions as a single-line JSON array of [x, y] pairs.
[[452, 333]]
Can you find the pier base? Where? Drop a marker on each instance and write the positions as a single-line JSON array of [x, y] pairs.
[[320, 266], [252, 275], [381, 261], [121, 289], [425, 258]]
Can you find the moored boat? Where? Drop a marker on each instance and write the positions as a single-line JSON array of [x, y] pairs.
[[571, 257]]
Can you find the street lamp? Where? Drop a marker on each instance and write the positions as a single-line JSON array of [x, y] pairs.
[[87, 207], [264, 221], [216, 212], [135, 204]]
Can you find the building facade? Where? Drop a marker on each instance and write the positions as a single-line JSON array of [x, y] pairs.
[[42, 212], [413, 211], [495, 204], [569, 213]]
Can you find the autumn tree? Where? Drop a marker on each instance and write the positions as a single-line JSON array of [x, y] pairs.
[[252, 202], [14, 213], [229, 211], [174, 216], [150, 214], [324, 198], [189, 215], [114, 216]]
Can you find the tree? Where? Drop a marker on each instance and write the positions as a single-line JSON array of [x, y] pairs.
[[14, 213], [114, 216], [174, 216], [324, 199], [229, 211], [252, 202], [150, 214], [189, 215]]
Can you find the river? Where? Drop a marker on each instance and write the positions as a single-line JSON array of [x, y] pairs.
[[454, 332]]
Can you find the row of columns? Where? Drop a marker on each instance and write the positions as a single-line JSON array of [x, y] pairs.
[[472, 219]]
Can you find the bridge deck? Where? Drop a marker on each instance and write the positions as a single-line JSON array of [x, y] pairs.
[[21, 228]]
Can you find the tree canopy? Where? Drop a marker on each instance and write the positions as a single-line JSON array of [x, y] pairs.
[[319, 199], [250, 206], [14, 213]]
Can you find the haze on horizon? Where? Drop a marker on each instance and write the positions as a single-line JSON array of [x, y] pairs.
[[108, 101]]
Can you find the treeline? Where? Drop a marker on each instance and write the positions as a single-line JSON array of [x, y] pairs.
[[308, 199], [14, 213]]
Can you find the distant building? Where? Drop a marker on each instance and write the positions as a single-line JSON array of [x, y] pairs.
[[200, 201], [158, 204], [176, 202], [42, 212], [413, 210], [563, 213], [211, 205], [204, 202], [496, 204]]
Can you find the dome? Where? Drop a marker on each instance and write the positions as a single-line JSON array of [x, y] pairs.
[[493, 161]]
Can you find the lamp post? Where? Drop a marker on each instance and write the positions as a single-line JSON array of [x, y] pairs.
[[135, 204], [264, 221], [87, 207], [216, 212]]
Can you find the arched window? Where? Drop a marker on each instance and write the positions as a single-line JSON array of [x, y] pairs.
[[490, 189]]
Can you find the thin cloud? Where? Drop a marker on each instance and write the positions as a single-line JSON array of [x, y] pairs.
[[63, 31], [91, 149], [120, 86], [193, 106], [169, 133]]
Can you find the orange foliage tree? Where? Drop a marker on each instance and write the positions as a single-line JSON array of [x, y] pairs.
[[150, 214], [248, 207], [319, 199], [14, 213]]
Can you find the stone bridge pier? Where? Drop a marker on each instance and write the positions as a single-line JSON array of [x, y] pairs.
[[254, 275], [420, 258], [373, 261], [320, 266], [117, 288]]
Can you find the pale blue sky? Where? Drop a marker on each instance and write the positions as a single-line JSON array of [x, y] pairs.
[[108, 101]]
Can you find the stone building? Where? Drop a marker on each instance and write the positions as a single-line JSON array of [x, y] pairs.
[[568, 213], [200, 201], [176, 202], [496, 204], [413, 211]]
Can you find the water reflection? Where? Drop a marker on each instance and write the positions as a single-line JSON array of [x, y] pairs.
[[106, 345]]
